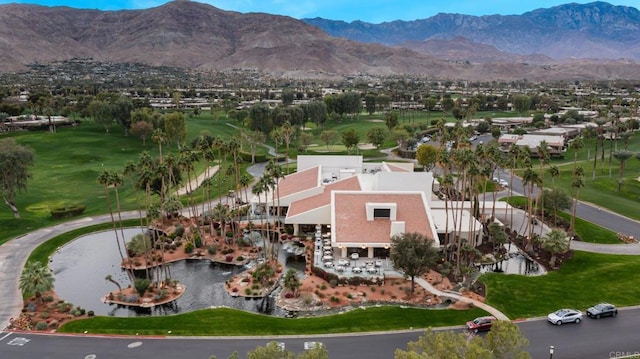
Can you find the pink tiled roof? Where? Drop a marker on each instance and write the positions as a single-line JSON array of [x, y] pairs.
[[351, 223], [394, 168], [324, 198], [299, 181]]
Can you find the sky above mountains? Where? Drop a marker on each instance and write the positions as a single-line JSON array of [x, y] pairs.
[[374, 11]]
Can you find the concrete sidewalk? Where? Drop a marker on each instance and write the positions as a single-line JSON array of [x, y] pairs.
[[487, 308]]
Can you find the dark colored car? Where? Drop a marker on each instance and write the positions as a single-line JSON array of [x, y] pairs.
[[480, 324], [602, 310]]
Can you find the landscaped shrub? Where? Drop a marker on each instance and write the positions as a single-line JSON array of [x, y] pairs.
[[197, 240], [44, 315], [133, 298], [139, 244], [229, 258], [64, 307], [65, 212], [188, 248], [48, 298], [179, 231], [247, 291], [212, 249], [141, 285], [41, 325], [90, 313], [240, 258]]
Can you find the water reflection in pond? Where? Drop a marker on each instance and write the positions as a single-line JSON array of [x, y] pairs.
[[516, 263], [80, 268]]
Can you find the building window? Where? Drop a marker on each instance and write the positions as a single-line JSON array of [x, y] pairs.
[[381, 212]]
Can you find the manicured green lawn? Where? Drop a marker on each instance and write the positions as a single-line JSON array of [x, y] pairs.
[[592, 233], [583, 281], [603, 189], [230, 322]]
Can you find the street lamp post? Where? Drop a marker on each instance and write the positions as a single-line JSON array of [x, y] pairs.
[[551, 349]]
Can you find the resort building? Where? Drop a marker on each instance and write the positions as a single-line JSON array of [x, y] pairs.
[[358, 207], [557, 145]]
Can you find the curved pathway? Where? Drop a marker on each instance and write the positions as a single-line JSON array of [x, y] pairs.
[[487, 308]]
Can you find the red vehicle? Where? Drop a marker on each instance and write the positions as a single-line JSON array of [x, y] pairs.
[[480, 324]]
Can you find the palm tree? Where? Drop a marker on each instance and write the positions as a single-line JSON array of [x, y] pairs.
[[495, 159], [245, 181], [576, 184], [543, 155], [446, 184], [587, 134], [556, 242], [625, 137], [259, 188], [576, 145], [221, 212], [530, 178], [464, 158], [554, 172], [219, 145], [185, 161], [515, 152], [108, 179], [233, 149], [599, 141], [622, 156], [109, 278], [36, 279], [273, 173]]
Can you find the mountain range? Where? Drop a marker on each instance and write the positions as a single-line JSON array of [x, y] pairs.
[[595, 30], [592, 41]]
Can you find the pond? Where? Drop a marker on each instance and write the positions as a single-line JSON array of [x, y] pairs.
[[515, 263], [80, 268]]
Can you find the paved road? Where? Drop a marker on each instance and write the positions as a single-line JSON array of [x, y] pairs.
[[591, 339], [588, 212]]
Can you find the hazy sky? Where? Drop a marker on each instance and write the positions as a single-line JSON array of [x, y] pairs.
[[348, 10]]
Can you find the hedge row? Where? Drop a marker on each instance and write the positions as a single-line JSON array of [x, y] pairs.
[[64, 212]]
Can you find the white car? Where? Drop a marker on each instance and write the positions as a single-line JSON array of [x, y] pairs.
[[565, 315], [312, 345], [503, 183]]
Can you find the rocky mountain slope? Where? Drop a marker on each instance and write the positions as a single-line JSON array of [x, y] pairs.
[[595, 30]]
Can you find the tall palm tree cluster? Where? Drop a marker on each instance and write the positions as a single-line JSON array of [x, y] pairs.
[[156, 181], [466, 173], [464, 177]]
